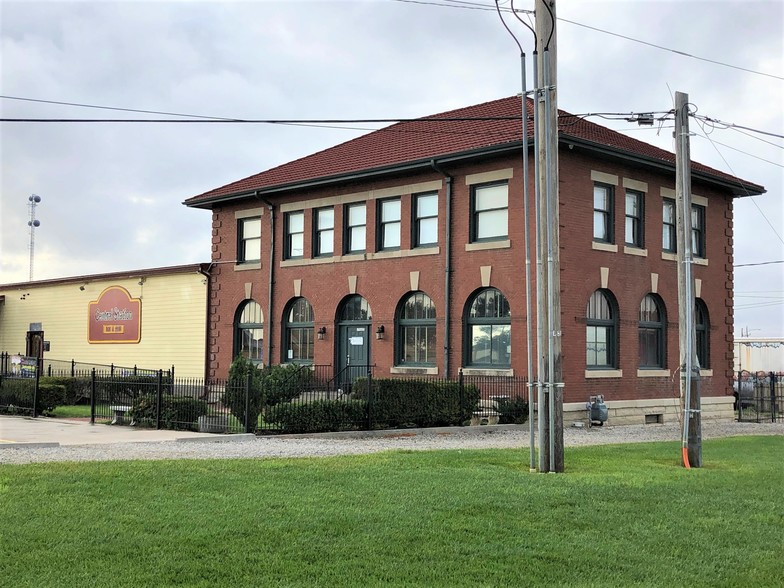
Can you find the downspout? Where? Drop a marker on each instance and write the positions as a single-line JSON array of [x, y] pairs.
[[270, 290], [208, 276], [447, 263]]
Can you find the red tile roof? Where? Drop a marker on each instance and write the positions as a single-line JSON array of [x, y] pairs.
[[431, 137]]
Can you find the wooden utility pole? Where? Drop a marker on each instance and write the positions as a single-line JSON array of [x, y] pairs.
[[551, 448], [689, 364]]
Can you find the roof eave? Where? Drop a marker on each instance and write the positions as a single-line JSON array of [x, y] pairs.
[[739, 189], [420, 164]]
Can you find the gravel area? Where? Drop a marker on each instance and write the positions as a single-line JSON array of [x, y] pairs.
[[357, 443]]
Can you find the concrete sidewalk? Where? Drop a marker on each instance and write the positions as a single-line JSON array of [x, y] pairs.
[[49, 432]]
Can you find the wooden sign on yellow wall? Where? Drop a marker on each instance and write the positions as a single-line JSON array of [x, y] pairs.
[[115, 317]]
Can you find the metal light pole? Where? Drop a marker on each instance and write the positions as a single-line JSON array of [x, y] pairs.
[[33, 223]]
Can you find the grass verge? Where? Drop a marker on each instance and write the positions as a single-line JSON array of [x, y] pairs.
[[622, 515]]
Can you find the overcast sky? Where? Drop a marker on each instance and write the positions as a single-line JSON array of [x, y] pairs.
[[112, 193]]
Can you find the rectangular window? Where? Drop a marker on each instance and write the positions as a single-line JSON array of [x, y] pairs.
[[249, 240], [669, 238], [295, 234], [603, 213], [324, 241], [419, 344], [635, 219], [490, 212], [425, 219], [355, 216], [388, 230], [698, 231]]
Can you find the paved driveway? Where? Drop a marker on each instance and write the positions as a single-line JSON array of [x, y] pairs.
[[48, 431]]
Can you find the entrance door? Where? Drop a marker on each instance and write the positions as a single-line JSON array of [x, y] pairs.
[[353, 349]]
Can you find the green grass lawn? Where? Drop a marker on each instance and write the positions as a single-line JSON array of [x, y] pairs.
[[622, 515], [70, 412]]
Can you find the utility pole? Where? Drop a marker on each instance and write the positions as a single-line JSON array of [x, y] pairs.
[[689, 366], [551, 449]]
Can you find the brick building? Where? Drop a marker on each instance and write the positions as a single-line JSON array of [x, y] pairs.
[[404, 248]]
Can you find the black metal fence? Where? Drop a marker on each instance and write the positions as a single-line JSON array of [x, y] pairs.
[[279, 400], [74, 369], [759, 397]]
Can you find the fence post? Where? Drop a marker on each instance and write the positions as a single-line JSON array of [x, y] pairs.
[[370, 398], [73, 368], [772, 378], [461, 391], [172, 373], [49, 370], [111, 369], [35, 389], [248, 382], [92, 397], [158, 403]]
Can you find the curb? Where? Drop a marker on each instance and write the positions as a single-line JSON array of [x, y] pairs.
[[218, 438], [23, 445]]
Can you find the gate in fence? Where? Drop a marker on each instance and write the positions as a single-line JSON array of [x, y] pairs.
[[759, 397]]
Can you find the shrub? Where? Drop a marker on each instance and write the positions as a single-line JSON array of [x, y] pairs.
[[234, 397], [283, 383], [398, 403], [319, 416], [16, 395], [512, 410], [177, 412], [126, 389], [76, 389], [50, 396]]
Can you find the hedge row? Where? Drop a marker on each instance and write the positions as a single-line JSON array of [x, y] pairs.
[[320, 416], [177, 412]]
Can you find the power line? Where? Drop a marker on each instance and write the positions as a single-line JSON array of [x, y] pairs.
[[479, 6], [705, 136], [715, 121], [759, 263]]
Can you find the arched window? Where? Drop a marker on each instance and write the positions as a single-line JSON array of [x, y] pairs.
[[652, 333], [416, 331], [355, 308], [488, 337], [299, 332], [601, 331], [702, 324], [249, 331]]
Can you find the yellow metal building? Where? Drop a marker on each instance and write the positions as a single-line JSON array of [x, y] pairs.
[[153, 318]]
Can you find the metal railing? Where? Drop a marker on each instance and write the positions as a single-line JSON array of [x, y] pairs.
[[292, 399]]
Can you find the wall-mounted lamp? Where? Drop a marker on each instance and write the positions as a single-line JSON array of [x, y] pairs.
[[380, 332], [82, 286], [141, 282], [321, 332]]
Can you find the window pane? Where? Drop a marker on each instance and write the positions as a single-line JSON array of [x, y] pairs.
[[600, 198], [391, 236], [297, 222], [600, 226], [390, 211], [357, 239], [428, 231], [326, 242], [251, 228], [491, 224], [251, 250], [297, 245], [632, 204], [427, 205], [326, 218], [649, 347], [669, 213], [489, 197], [501, 344], [481, 351], [356, 215]]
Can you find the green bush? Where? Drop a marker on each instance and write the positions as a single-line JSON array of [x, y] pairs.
[[126, 389], [512, 411], [50, 396], [319, 416], [283, 383], [397, 403], [16, 395], [234, 397], [177, 412], [76, 389]]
